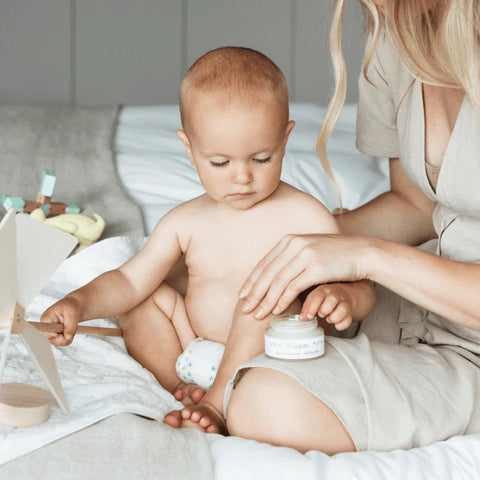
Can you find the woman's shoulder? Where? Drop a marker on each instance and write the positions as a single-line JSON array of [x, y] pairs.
[[386, 69], [381, 93]]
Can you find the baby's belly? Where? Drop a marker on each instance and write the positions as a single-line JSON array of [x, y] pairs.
[[211, 304]]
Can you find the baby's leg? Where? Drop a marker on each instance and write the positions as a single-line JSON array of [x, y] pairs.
[[245, 342], [156, 331]]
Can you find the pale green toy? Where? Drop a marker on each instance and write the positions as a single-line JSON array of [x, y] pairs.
[[86, 229]]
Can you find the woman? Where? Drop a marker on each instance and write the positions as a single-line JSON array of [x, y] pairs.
[[412, 374]]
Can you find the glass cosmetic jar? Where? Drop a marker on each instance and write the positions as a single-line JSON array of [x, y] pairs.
[[290, 339]]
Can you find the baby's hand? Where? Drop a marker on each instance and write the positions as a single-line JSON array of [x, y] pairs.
[[330, 301], [67, 312]]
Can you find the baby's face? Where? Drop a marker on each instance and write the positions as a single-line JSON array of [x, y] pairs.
[[237, 150]]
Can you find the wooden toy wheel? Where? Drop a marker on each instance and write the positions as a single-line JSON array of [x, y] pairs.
[[23, 405]]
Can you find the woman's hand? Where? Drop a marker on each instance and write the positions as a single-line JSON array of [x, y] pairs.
[[298, 262]]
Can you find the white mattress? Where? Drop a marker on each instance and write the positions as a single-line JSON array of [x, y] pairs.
[[155, 170]]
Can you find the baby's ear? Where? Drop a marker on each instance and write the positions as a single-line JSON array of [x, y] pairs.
[[288, 129], [186, 143]]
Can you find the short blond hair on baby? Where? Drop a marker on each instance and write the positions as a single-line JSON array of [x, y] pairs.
[[233, 74]]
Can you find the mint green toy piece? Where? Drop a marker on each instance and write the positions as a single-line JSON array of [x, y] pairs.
[[16, 203], [72, 209], [48, 183], [46, 208]]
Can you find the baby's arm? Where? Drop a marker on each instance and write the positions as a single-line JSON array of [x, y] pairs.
[[338, 303], [118, 291]]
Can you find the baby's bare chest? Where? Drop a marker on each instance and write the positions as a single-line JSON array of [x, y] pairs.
[[227, 257]]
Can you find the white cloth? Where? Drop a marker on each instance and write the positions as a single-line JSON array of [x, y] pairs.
[[237, 459], [99, 378]]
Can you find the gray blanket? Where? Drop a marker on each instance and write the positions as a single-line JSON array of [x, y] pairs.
[[124, 446], [77, 144]]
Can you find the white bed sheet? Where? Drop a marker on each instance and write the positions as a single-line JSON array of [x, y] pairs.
[[155, 170]]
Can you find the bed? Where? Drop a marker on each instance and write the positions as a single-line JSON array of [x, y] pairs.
[[115, 429]]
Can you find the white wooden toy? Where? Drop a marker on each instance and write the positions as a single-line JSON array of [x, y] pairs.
[[30, 252]]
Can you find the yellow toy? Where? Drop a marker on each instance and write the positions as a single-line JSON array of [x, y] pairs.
[[86, 229]]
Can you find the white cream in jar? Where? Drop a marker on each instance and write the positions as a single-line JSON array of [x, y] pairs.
[[290, 339]]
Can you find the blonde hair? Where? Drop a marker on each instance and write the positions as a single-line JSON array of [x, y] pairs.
[[233, 73], [437, 40]]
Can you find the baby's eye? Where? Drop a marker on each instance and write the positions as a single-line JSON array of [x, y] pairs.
[[218, 164], [262, 160]]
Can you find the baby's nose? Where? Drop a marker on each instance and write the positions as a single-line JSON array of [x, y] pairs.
[[242, 174]]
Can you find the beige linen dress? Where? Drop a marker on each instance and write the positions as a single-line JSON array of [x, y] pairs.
[[410, 377]]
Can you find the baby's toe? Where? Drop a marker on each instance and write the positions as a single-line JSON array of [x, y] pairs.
[[212, 429], [196, 416], [178, 395], [173, 419], [205, 422], [186, 414], [197, 395]]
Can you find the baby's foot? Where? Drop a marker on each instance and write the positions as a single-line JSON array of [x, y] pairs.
[[206, 415], [188, 393]]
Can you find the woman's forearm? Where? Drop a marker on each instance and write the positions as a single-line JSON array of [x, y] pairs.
[[404, 214], [390, 217], [443, 286]]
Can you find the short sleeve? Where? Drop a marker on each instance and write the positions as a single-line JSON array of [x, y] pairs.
[[376, 131]]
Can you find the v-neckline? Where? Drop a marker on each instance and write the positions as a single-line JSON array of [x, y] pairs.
[[434, 191]]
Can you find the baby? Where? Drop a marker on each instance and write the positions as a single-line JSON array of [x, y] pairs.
[[235, 118]]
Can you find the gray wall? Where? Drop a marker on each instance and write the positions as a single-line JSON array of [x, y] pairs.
[[134, 52]]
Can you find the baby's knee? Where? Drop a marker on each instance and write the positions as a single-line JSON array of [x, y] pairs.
[[166, 299], [126, 321], [162, 300]]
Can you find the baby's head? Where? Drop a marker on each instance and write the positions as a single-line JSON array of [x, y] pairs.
[[232, 76], [234, 111]]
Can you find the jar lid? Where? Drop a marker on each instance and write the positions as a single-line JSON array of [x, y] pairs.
[[291, 322]]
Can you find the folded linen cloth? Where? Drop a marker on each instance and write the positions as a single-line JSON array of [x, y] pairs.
[[99, 378]]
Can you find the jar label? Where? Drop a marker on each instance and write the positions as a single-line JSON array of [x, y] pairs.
[[294, 349]]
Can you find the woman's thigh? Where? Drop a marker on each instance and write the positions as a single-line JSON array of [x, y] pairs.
[[270, 406], [387, 396]]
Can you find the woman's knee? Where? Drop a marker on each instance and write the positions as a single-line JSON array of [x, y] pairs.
[[254, 391], [271, 406]]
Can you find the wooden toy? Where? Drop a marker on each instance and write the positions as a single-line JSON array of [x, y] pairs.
[[58, 328], [30, 251], [43, 201], [85, 228], [29, 254]]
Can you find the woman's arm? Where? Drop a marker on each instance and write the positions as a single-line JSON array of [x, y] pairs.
[[443, 286], [404, 214], [446, 287]]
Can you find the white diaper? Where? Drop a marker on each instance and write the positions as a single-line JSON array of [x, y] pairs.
[[199, 362]]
